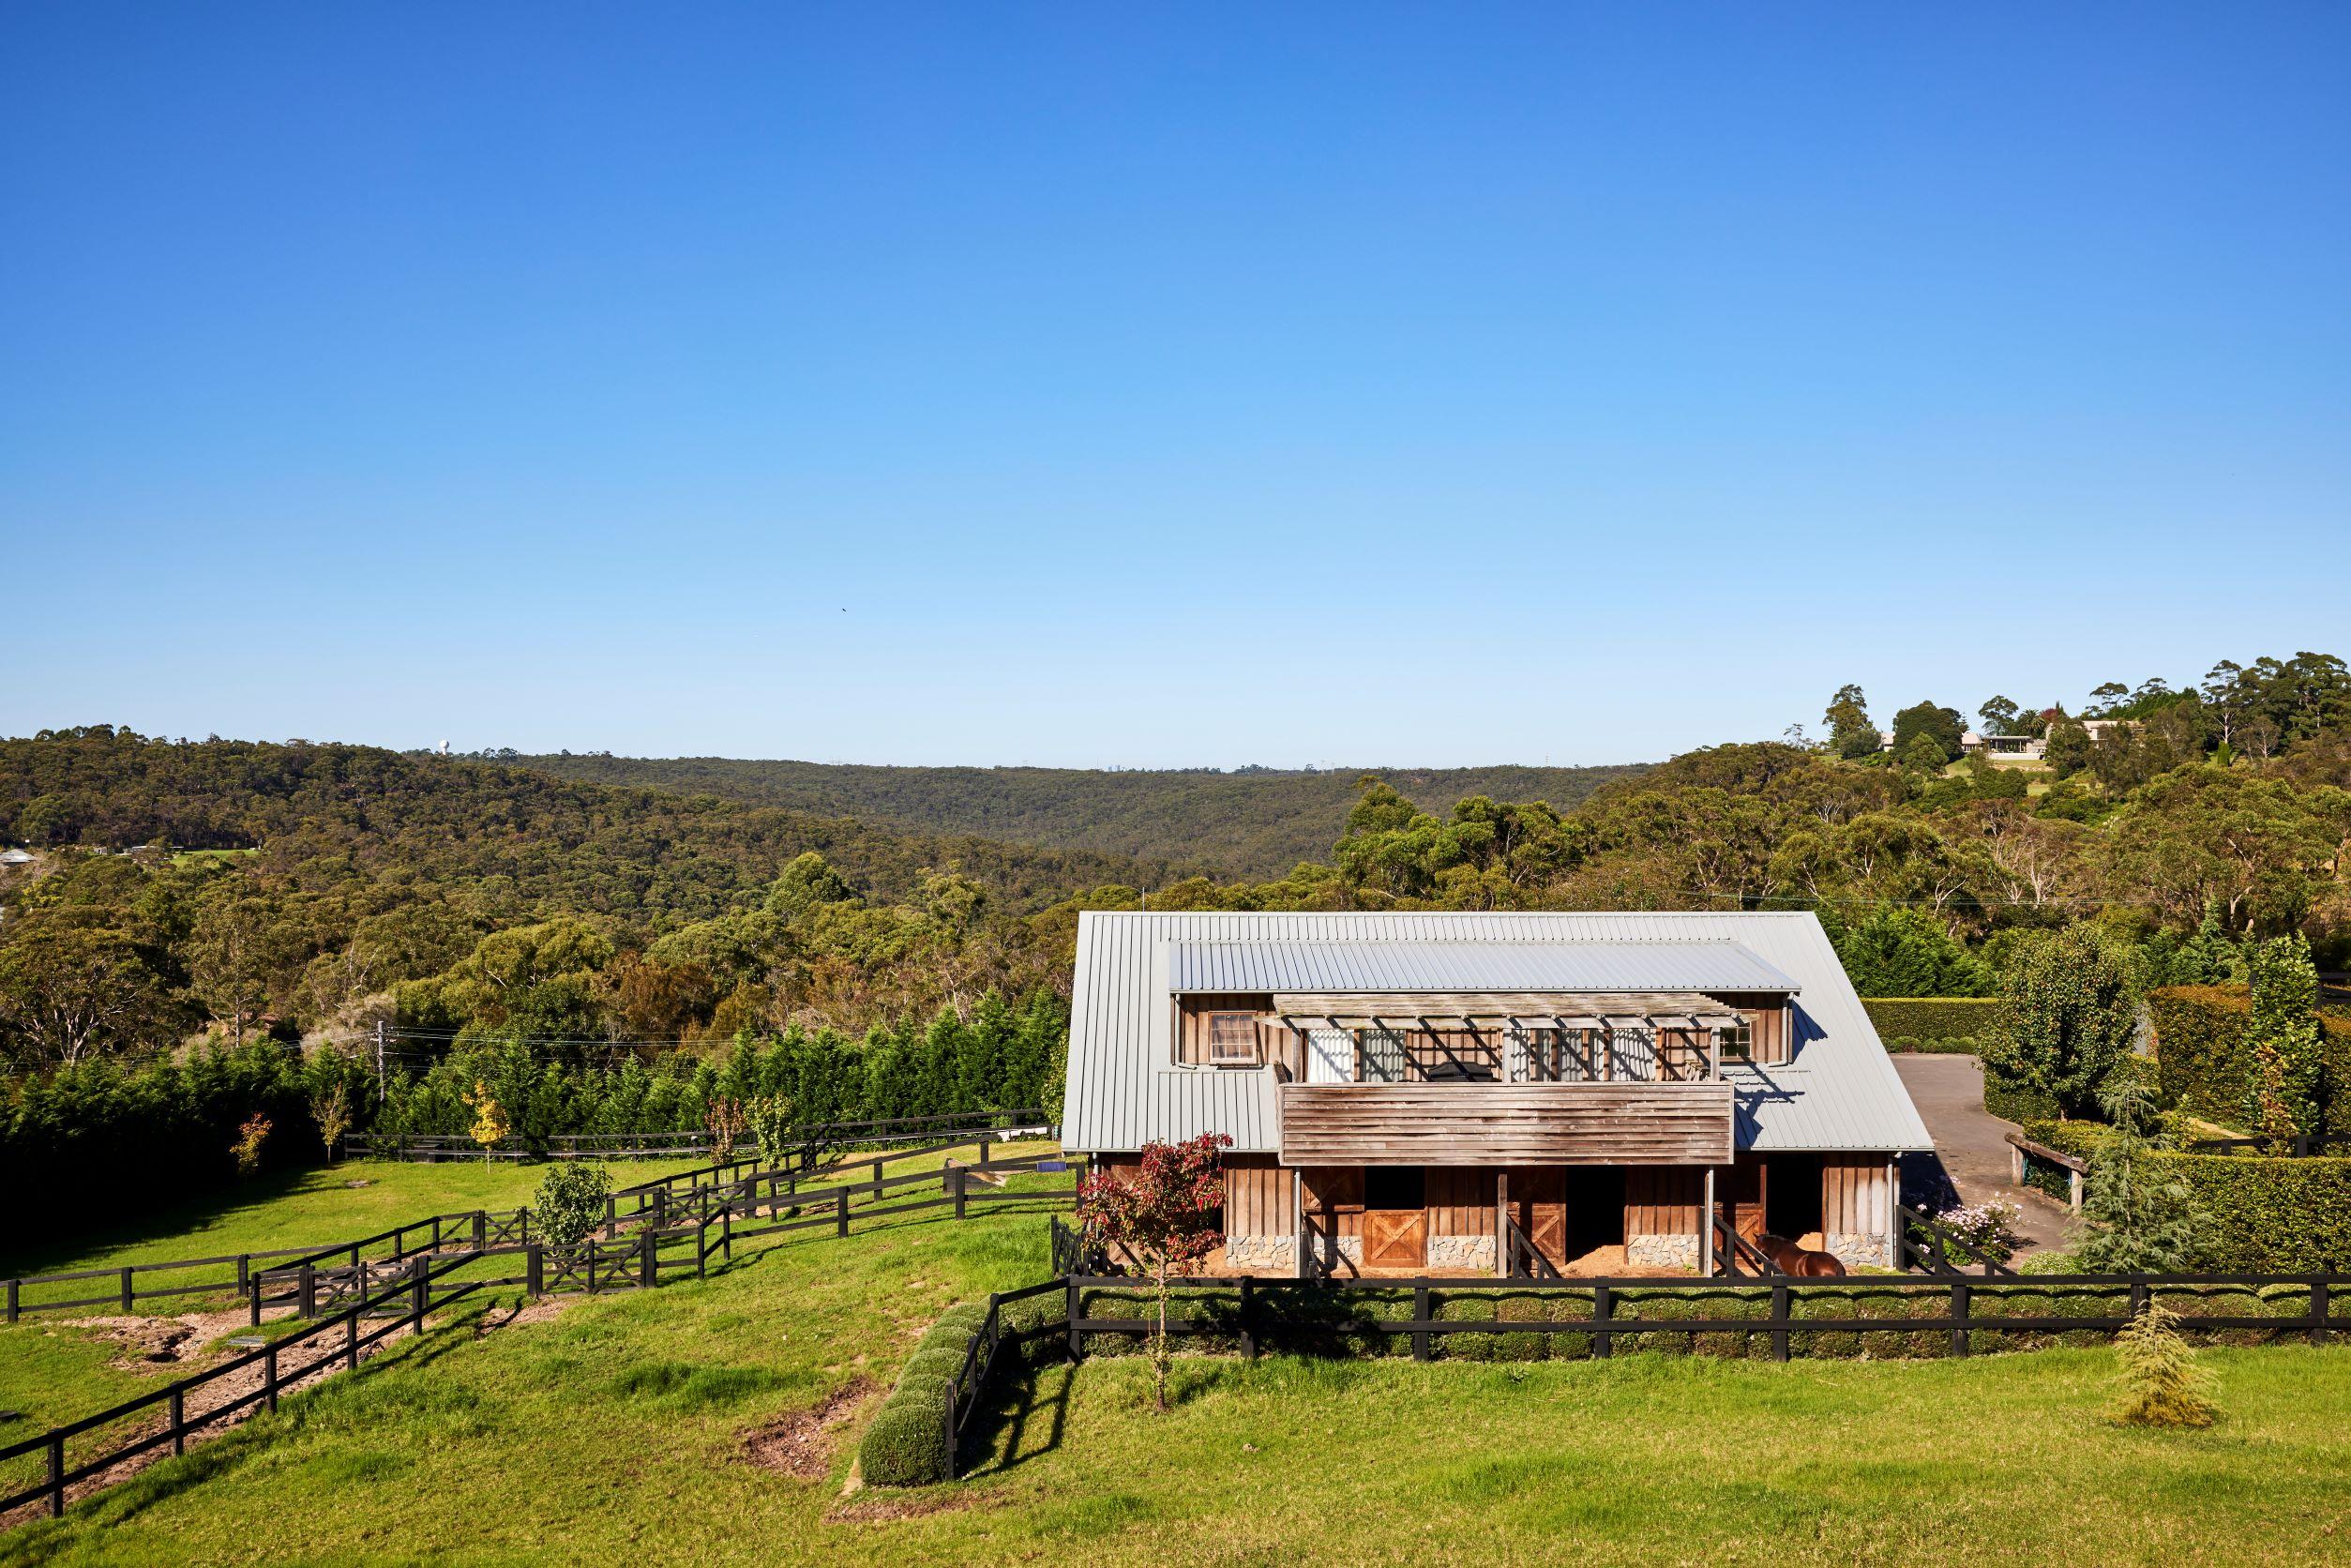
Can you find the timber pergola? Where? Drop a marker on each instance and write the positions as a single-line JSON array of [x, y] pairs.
[[1582, 1015]]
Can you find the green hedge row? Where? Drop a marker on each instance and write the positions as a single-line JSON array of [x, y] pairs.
[[1932, 1018], [1558, 1322], [2263, 1213], [1936, 1045], [2200, 1048], [2016, 1102], [906, 1444]]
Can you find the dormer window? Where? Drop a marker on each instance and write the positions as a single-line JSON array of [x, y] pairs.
[[1232, 1040]]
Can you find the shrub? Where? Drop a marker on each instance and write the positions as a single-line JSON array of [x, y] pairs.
[[2201, 1053], [249, 1139], [2066, 1018], [571, 1202], [906, 1446], [1932, 1018]]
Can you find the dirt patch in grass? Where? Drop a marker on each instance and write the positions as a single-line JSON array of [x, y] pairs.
[[801, 1445], [163, 1341]]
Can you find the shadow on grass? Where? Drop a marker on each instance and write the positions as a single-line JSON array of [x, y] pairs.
[[1024, 1419], [215, 1208]]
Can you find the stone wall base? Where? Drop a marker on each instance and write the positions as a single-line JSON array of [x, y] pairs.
[[1261, 1254], [1661, 1252], [1857, 1248], [1461, 1253]]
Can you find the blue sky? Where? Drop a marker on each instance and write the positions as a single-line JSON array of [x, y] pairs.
[[1187, 386]]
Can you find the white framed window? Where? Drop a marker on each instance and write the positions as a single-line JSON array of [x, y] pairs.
[[1232, 1040]]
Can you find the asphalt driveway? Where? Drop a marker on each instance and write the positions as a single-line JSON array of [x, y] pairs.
[[1971, 1144]]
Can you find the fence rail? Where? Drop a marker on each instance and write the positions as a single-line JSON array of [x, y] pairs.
[[1262, 1304]]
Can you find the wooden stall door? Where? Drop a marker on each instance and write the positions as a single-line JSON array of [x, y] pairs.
[[1395, 1237], [1538, 1195]]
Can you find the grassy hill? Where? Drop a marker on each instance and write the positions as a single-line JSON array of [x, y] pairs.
[[1254, 822]]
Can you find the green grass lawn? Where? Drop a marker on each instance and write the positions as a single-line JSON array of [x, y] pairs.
[[618, 1429]]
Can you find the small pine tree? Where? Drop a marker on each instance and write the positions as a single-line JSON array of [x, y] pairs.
[[2141, 1219], [2163, 1385]]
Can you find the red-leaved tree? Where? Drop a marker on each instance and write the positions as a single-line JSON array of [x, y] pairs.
[[1161, 1213]]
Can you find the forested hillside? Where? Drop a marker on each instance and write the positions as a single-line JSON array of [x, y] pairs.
[[1250, 822]]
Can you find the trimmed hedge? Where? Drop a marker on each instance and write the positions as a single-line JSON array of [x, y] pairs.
[[2016, 1102], [2200, 1048], [2265, 1215], [1930, 1044], [906, 1444], [1559, 1322], [1932, 1018]]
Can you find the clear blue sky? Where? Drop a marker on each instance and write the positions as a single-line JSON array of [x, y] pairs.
[[1350, 384]]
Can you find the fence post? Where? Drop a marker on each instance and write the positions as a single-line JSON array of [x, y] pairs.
[[1961, 1301], [253, 1294], [840, 1210], [649, 1262], [2138, 1297], [1069, 1297], [535, 1269], [611, 1215], [57, 1475], [306, 1292], [13, 1308], [1248, 1328], [2319, 1307], [1603, 1308], [877, 1181], [481, 1228], [1779, 1321], [269, 1375], [962, 1179], [702, 1251], [416, 1304], [726, 1232], [350, 1340], [179, 1421], [1420, 1318]]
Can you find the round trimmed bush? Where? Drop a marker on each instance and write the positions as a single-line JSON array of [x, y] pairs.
[[906, 1446]]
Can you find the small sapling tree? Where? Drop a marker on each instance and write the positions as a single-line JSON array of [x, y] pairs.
[[249, 1139], [2161, 1383], [725, 1121], [570, 1203], [1163, 1215], [489, 1119], [770, 1118], [330, 1108]]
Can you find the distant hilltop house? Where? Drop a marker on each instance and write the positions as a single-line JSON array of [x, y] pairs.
[[2032, 748], [1471, 1092], [15, 857]]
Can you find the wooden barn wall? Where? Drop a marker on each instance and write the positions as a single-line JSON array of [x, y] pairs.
[[1662, 1200], [1258, 1201], [1460, 1201], [1740, 1191], [1853, 1193], [1334, 1196]]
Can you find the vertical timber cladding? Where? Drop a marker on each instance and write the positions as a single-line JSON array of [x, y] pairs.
[[1662, 1200], [1258, 1198], [1853, 1194]]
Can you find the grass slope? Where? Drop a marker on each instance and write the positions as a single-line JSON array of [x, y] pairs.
[[1236, 824], [618, 1429]]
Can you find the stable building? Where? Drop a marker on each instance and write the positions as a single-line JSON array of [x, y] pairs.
[[1503, 1092]]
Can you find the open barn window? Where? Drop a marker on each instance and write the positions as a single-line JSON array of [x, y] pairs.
[[1232, 1040]]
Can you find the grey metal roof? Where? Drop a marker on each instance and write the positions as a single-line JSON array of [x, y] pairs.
[[1124, 1088], [1460, 964]]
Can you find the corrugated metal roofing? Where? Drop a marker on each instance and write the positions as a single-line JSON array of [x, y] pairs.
[[1465, 965], [1125, 1088]]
